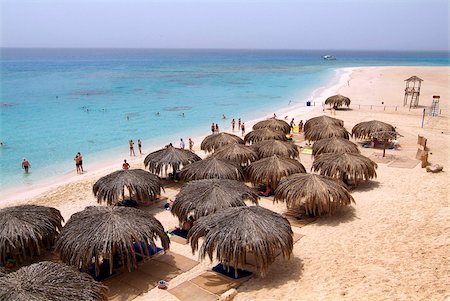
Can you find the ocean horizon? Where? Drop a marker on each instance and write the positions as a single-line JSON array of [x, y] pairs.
[[57, 102]]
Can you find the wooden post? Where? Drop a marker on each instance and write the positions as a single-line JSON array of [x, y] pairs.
[[423, 117]]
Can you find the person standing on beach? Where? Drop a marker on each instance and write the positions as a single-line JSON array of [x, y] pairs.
[[233, 124], [213, 127], [140, 146], [292, 123], [243, 129], [125, 165], [131, 143], [191, 144], [182, 143], [239, 124], [217, 128], [25, 165], [77, 163], [80, 161], [300, 126]]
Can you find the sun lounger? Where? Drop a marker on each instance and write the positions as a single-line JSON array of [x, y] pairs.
[[231, 272], [180, 232]]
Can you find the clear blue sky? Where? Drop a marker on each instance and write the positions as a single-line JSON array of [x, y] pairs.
[[270, 24]]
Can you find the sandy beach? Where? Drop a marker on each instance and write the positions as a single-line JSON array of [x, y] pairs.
[[393, 244]]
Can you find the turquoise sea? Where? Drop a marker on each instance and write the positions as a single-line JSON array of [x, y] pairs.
[[57, 102]]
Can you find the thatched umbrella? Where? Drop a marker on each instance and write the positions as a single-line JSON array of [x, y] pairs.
[[264, 134], [375, 129], [238, 153], [212, 168], [326, 131], [270, 170], [141, 185], [317, 194], [334, 145], [345, 166], [386, 137], [337, 101], [321, 121], [273, 124], [50, 281], [269, 148], [103, 232], [215, 141], [161, 160], [231, 233], [364, 130], [204, 197], [25, 229]]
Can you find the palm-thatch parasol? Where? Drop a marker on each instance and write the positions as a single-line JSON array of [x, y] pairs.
[[103, 232], [231, 233], [270, 170], [204, 197], [238, 153], [50, 281], [215, 141], [337, 101], [264, 134], [25, 229], [141, 185], [212, 168], [321, 121], [375, 129], [273, 124], [364, 130], [334, 145], [269, 148], [326, 131], [159, 161], [318, 194], [345, 166]]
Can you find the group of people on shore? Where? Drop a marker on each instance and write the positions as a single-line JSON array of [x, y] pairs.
[[240, 126], [190, 144], [131, 144]]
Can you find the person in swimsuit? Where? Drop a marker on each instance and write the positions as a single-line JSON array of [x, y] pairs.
[[125, 165], [25, 165], [77, 163], [131, 143], [213, 127], [217, 128], [140, 146], [80, 162], [191, 144], [233, 124], [243, 129]]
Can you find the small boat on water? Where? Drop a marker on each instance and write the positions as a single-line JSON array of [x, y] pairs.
[[328, 57]]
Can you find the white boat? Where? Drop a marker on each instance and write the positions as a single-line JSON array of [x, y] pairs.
[[328, 57]]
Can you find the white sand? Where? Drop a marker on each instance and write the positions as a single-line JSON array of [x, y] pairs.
[[392, 244]]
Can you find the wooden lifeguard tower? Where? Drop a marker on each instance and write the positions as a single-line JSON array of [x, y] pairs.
[[412, 91]]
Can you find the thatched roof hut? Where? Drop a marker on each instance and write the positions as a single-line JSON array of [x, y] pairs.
[[25, 229], [238, 153], [337, 101], [273, 124], [326, 131], [50, 281], [264, 134], [204, 197], [212, 168], [321, 121], [103, 232], [215, 141], [345, 166], [231, 233], [364, 130], [269, 148], [161, 160], [317, 194], [141, 186], [272, 170], [334, 145]]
